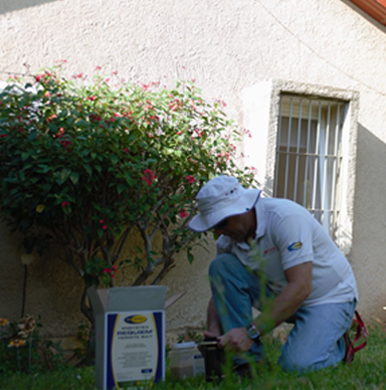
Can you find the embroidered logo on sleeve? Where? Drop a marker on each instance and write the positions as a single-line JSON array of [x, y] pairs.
[[295, 246]]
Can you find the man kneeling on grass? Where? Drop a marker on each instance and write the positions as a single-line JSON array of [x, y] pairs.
[[273, 248]]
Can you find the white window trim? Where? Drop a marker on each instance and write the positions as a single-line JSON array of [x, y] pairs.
[[261, 105]]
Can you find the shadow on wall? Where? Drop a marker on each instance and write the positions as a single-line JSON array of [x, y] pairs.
[[369, 228], [15, 5], [370, 188]]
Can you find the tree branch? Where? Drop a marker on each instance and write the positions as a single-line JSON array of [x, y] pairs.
[[122, 242], [146, 272], [168, 265]]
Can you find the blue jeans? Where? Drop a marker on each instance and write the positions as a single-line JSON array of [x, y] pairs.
[[316, 340]]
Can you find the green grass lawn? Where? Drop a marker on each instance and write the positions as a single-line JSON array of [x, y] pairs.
[[368, 371]]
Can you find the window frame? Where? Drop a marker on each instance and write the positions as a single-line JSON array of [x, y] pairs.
[[261, 110], [308, 155]]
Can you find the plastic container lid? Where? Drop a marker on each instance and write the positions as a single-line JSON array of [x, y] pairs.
[[189, 344]]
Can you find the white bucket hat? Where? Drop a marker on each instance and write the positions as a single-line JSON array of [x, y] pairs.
[[220, 198]]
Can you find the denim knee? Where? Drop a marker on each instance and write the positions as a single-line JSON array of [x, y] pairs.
[[289, 362], [223, 265]]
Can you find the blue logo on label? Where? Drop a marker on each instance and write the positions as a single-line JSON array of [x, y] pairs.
[[147, 370], [295, 246]]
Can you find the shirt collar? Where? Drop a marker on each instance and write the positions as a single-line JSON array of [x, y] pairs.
[[261, 220], [261, 223]]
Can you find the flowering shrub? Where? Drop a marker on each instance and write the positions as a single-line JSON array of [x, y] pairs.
[[85, 165]]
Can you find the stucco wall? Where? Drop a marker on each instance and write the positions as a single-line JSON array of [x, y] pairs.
[[227, 46]]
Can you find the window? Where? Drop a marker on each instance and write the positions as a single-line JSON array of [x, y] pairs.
[[309, 156], [303, 148]]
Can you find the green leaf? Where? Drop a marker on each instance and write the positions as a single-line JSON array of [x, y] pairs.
[[11, 180], [114, 158], [43, 168], [88, 169], [32, 135], [74, 177], [190, 258], [64, 174], [25, 155], [22, 176], [120, 188]]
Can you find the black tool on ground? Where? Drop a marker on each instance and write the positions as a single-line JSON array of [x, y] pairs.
[[214, 359]]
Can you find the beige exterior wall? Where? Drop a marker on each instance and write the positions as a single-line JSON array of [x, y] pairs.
[[227, 46]]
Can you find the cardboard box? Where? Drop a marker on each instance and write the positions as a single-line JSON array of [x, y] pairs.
[[130, 336]]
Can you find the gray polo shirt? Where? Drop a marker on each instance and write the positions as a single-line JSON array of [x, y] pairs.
[[287, 235]]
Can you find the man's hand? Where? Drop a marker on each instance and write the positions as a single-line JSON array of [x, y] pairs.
[[235, 340], [286, 303]]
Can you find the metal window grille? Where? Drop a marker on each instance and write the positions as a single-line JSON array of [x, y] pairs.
[[308, 156]]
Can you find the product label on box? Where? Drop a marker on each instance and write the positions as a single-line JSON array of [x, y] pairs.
[[134, 349], [198, 364]]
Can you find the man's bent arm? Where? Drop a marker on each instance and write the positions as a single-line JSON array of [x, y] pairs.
[[284, 306], [289, 300]]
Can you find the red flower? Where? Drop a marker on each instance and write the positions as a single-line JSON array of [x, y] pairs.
[[39, 77], [183, 213], [65, 143], [111, 271], [94, 118], [247, 132], [65, 204], [190, 179], [149, 176]]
